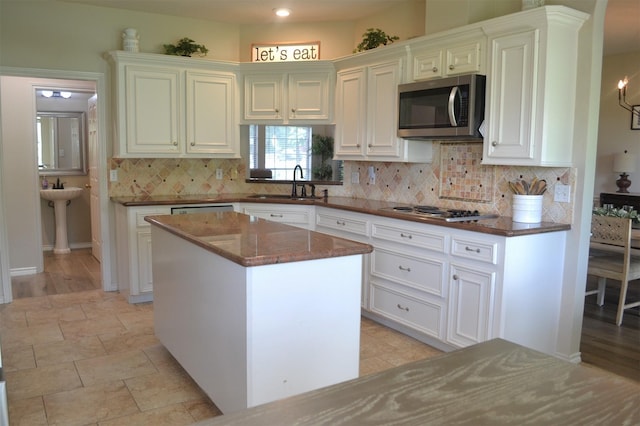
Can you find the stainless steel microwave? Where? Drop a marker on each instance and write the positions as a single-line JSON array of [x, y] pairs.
[[444, 108]]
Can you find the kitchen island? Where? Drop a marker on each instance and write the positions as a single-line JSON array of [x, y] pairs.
[[255, 310]]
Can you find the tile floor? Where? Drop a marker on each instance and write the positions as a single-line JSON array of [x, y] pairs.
[[91, 358]]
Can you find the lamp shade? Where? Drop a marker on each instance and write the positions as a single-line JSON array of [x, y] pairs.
[[624, 163]]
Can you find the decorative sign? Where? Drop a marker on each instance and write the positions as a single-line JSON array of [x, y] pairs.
[[285, 52]]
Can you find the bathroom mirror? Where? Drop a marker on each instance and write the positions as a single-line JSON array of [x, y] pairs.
[[61, 143]]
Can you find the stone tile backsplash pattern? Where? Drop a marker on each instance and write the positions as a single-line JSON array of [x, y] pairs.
[[455, 179]]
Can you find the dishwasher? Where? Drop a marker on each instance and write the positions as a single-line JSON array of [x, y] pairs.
[[202, 209]]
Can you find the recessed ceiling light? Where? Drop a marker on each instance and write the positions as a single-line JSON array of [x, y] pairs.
[[282, 12]]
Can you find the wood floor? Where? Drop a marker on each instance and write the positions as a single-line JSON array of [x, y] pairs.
[[603, 344]]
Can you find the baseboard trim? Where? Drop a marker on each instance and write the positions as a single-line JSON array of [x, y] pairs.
[[16, 272]]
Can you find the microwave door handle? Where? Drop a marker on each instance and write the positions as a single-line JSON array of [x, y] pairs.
[[452, 99]]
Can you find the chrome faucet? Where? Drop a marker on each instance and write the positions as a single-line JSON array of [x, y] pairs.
[[294, 188]]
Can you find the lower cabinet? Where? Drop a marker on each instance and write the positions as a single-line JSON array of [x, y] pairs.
[[133, 239], [290, 214]]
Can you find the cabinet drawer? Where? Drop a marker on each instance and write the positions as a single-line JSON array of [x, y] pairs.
[[477, 250], [141, 213], [423, 274], [340, 223], [421, 315], [300, 217], [410, 237]]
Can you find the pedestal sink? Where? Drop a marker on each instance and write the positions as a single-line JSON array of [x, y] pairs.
[[60, 199]]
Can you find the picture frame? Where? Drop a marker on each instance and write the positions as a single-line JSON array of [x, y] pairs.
[[635, 117]]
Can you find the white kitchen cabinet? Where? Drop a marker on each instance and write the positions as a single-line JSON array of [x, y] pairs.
[[531, 87], [281, 95], [169, 107], [367, 115], [408, 275], [296, 215], [133, 240], [352, 226], [452, 57]]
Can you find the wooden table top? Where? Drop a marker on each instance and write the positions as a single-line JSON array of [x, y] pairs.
[[492, 383]]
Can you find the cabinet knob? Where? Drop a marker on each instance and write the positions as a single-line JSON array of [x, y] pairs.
[[404, 308], [494, 143], [175, 143], [456, 277], [451, 67], [293, 110], [357, 145], [477, 250], [403, 235], [277, 110], [193, 144], [370, 145], [402, 268], [275, 215], [340, 222], [434, 69]]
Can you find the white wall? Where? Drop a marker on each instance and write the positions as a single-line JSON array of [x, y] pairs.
[[615, 134]]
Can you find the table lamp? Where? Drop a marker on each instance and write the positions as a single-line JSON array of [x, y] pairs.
[[624, 163]]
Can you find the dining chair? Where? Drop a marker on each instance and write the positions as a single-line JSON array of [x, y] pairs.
[[611, 256]]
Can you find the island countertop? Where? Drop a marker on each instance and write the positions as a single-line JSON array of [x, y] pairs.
[[502, 226], [250, 241]]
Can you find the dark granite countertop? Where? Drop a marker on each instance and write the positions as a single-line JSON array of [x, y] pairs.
[[250, 241], [502, 226]]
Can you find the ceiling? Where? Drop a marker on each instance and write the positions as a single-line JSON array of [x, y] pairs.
[[622, 22]]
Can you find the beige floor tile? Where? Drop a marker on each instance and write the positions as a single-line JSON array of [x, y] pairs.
[[162, 359], [112, 305], [30, 303], [47, 316], [39, 381], [27, 412], [25, 336], [138, 320], [18, 358], [91, 327], [114, 367], [90, 404], [373, 365], [68, 350], [161, 389], [11, 318], [128, 340], [77, 298], [202, 409], [173, 415]]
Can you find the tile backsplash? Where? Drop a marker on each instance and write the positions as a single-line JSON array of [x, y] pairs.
[[455, 179]]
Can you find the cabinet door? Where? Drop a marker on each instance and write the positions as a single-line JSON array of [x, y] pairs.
[[511, 90], [263, 96], [427, 64], [210, 114], [351, 114], [145, 274], [463, 59], [308, 96], [152, 110], [382, 110], [470, 305]]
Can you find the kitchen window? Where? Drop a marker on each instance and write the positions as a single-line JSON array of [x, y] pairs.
[[280, 149]]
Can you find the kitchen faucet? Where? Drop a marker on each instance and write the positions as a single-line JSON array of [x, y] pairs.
[[294, 189]]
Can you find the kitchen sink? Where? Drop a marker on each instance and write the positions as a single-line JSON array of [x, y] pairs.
[[280, 197]]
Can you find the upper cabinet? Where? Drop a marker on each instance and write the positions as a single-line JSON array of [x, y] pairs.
[[531, 87], [454, 54], [174, 107], [289, 93], [367, 113]]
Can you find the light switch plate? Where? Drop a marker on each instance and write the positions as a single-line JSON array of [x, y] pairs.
[[355, 177], [562, 193], [218, 174], [113, 175]]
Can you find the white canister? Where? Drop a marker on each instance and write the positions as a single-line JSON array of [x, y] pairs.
[[130, 40], [527, 208]]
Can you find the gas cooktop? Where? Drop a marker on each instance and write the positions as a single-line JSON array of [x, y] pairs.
[[449, 215]]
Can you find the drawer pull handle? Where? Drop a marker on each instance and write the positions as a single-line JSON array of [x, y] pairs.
[[340, 222], [434, 69], [403, 268], [403, 235], [275, 215], [404, 308], [456, 277], [477, 250]]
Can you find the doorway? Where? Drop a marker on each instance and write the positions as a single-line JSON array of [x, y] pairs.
[[21, 182]]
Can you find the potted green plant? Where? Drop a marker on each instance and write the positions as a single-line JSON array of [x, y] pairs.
[[185, 47], [323, 146], [373, 38]]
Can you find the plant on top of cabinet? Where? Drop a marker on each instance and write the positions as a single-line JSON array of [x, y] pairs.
[[185, 47], [373, 38]]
